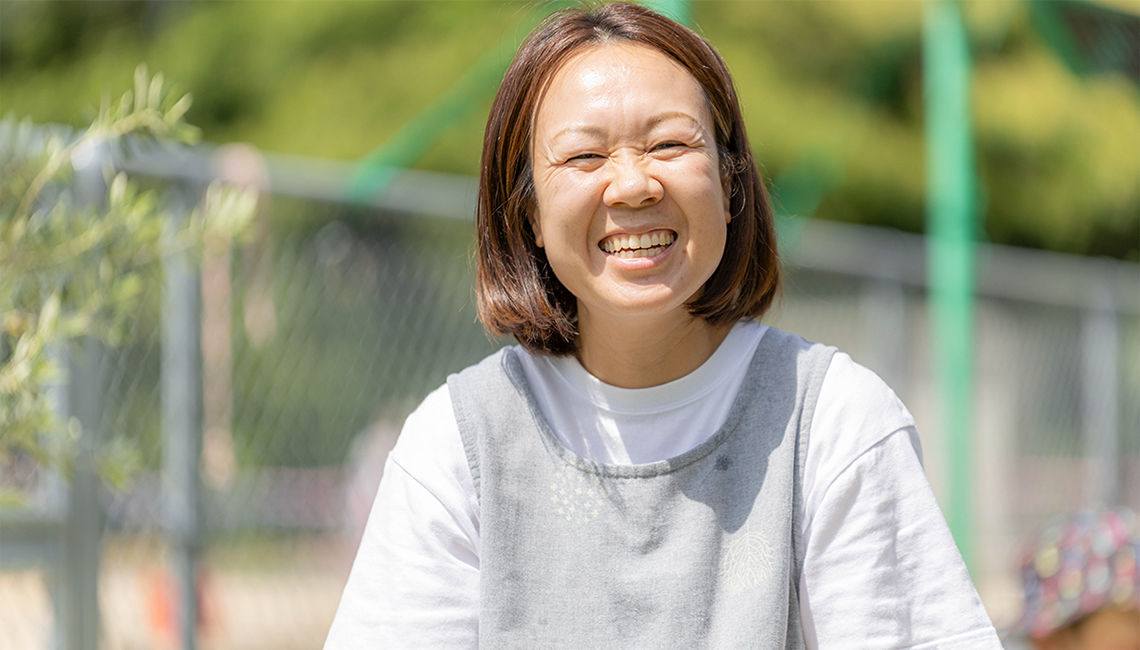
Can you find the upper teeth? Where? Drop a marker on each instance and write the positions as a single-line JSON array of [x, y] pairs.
[[634, 242]]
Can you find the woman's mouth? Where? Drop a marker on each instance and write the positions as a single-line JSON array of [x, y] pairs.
[[644, 245]]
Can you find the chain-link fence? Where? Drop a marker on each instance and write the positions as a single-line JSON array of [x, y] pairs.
[[321, 334], [1056, 385]]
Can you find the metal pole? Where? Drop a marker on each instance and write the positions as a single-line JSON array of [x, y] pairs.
[[83, 526], [1100, 391], [678, 10], [376, 170], [950, 197], [182, 427], [81, 407]]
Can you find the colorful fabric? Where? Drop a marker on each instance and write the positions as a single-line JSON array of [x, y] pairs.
[[1079, 564]]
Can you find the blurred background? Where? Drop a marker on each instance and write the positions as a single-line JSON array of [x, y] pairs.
[[359, 126]]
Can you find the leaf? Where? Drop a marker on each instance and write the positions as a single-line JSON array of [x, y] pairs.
[[154, 99], [175, 112], [49, 315], [126, 105], [11, 499], [118, 462], [118, 188], [127, 290], [228, 210], [140, 87]]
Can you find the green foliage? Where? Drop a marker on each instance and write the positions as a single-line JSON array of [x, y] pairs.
[[1056, 152], [74, 266], [332, 79]]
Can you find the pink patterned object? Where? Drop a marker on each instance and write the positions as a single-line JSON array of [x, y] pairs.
[[1079, 564]]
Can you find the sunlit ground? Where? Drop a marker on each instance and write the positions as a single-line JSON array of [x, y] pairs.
[[264, 593]]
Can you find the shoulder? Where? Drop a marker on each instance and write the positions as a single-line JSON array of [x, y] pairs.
[[432, 423], [490, 365], [854, 399], [774, 337], [855, 412], [791, 354], [415, 580], [498, 374], [430, 451]]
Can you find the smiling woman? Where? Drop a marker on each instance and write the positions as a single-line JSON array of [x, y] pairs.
[[518, 293], [652, 467]]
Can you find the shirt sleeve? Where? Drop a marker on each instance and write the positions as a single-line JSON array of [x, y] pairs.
[[415, 581], [881, 569]]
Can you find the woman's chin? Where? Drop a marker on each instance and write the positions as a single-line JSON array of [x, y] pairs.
[[637, 303]]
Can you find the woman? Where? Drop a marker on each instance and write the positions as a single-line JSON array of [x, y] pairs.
[[652, 467]]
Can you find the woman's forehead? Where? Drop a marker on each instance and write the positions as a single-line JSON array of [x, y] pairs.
[[614, 77], [603, 63]]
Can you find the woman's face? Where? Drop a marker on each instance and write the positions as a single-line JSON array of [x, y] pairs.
[[630, 205]]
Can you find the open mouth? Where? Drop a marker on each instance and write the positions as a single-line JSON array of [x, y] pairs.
[[644, 245]]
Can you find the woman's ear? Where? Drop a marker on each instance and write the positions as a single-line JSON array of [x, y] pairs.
[[727, 191], [535, 225], [726, 186]]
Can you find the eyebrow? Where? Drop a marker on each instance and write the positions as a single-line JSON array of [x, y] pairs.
[[651, 123], [671, 115]]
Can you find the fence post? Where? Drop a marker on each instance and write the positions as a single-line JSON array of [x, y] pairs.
[[80, 404], [83, 523], [951, 220], [1100, 389], [182, 423]]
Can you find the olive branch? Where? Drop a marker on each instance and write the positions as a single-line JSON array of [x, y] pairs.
[[72, 268]]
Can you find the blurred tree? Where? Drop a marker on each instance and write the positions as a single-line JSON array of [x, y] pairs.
[[74, 267], [837, 80]]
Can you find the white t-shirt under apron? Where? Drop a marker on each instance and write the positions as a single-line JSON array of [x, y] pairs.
[[880, 567]]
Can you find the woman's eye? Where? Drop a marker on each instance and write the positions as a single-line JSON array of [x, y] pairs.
[[585, 156], [668, 145]]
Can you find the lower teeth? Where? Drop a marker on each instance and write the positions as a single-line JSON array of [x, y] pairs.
[[639, 252]]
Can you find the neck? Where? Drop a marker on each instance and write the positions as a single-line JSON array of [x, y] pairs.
[[643, 352]]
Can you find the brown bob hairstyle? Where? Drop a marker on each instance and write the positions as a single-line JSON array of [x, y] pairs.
[[517, 292]]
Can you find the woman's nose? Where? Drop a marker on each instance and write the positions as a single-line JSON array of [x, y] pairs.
[[632, 185]]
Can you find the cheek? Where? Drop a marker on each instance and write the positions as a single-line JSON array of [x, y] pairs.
[[715, 238], [716, 253], [567, 207]]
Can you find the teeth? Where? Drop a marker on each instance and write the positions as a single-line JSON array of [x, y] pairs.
[[639, 252], [647, 245]]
